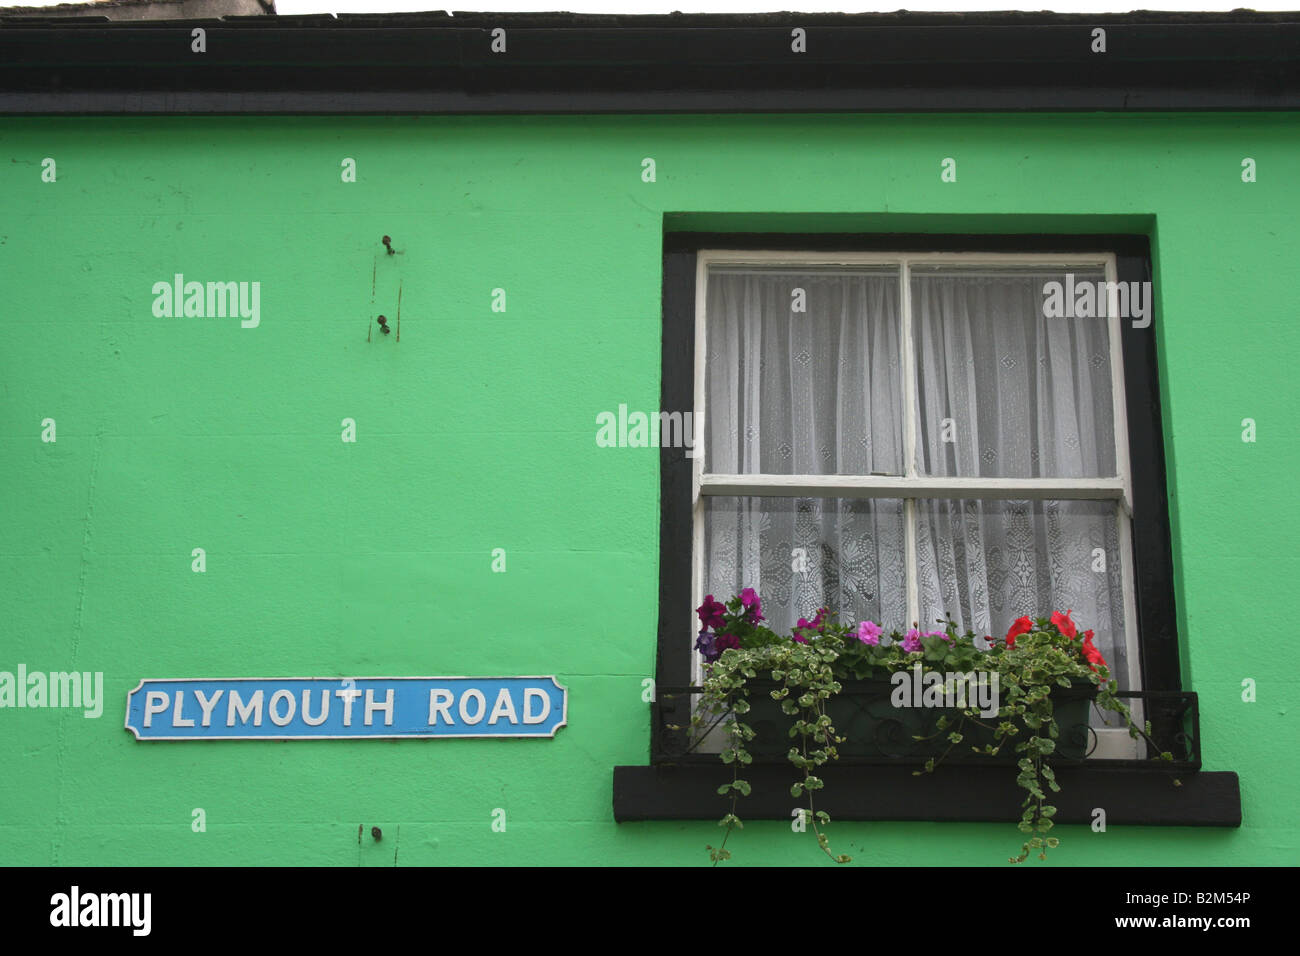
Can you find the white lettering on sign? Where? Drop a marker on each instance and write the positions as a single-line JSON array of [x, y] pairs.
[[208, 706], [386, 706], [177, 719], [504, 707], [472, 694], [307, 718], [534, 693], [155, 702], [347, 696], [282, 719], [440, 703], [253, 708]]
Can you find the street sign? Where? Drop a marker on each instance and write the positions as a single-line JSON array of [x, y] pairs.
[[333, 708]]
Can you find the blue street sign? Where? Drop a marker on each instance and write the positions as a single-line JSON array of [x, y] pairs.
[[333, 708]]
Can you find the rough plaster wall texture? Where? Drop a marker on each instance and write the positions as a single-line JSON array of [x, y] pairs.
[[476, 432]]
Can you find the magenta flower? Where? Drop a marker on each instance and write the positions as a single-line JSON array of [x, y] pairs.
[[912, 642], [943, 634], [869, 633], [815, 623], [753, 606], [805, 625], [711, 612], [726, 642]]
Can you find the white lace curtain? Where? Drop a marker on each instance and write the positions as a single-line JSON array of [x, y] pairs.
[[1000, 391]]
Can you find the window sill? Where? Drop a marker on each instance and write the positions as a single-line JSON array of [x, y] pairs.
[[954, 794]]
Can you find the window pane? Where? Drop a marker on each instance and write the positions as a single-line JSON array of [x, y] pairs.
[[986, 563], [803, 371], [1004, 391], [801, 554]]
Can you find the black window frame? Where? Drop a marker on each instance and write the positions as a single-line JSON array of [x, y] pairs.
[[1152, 549]]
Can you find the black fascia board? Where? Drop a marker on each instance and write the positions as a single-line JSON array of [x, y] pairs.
[[681, 63]]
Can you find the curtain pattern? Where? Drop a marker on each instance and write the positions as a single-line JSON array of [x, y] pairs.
[[1001, 391]]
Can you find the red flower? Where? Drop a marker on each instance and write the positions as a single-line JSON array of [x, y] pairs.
[[1063, 623], [1022, 626], [1091, 653]]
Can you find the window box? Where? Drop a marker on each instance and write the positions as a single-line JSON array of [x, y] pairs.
[[874, 729]]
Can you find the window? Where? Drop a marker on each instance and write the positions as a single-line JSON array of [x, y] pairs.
[[907, 433]]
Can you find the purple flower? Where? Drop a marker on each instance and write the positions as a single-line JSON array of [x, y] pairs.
[[706, 645], [943, 634], [912, 642], [727, 642], [869, 633], [753, 606], [711, 612]]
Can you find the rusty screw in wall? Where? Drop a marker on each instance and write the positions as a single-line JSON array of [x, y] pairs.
[[383, 324], [377, 833], [388, 244]]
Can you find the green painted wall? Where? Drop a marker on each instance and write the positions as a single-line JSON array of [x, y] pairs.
[[477, 431]]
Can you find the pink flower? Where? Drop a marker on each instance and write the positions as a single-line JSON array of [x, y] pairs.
[[869, 633], [912, 642]]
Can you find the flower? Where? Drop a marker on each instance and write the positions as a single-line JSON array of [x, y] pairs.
[[1022, 626], [943, 634], [727, 642], [1091, 653], [753, 606], [706, 646], [912, 642], [869, 633], [814, 625], [1063, 623], [711, 612]]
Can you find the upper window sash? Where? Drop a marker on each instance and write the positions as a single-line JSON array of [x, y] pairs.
[[909, 484]]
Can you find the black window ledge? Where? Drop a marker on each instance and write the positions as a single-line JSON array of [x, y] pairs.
[[955, 794]]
